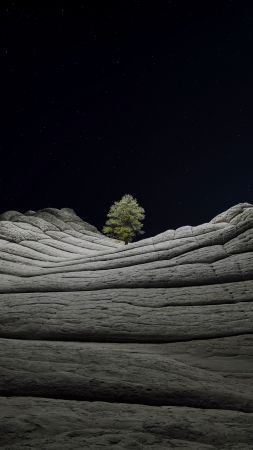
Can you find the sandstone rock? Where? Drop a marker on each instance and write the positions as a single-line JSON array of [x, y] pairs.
[[104, 345]]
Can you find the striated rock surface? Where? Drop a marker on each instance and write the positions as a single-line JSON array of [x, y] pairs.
[[107, 346]]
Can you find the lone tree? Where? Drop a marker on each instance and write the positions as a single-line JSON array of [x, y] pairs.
[[124, 219]]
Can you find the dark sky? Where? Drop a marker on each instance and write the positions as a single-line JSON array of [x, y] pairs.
[[101, 99]]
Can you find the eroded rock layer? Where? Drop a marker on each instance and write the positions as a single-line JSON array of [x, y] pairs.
[[107, 346]]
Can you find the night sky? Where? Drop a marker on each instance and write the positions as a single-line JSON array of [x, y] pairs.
[[103, 99]]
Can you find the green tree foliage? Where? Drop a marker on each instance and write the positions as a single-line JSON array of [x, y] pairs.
[[124, 219]]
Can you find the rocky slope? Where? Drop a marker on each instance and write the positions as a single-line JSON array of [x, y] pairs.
[[144, 346]]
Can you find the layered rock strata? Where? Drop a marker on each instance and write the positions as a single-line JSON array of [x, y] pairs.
[[144, 346]]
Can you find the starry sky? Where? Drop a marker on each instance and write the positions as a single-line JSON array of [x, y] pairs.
[[102, 99]]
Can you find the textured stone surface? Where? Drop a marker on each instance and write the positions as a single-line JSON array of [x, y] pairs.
[[27, 422], [153, 339]]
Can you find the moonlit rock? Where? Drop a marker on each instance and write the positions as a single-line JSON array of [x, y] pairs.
[[146, 346]]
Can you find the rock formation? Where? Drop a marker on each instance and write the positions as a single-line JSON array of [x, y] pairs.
[[106, 346]]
